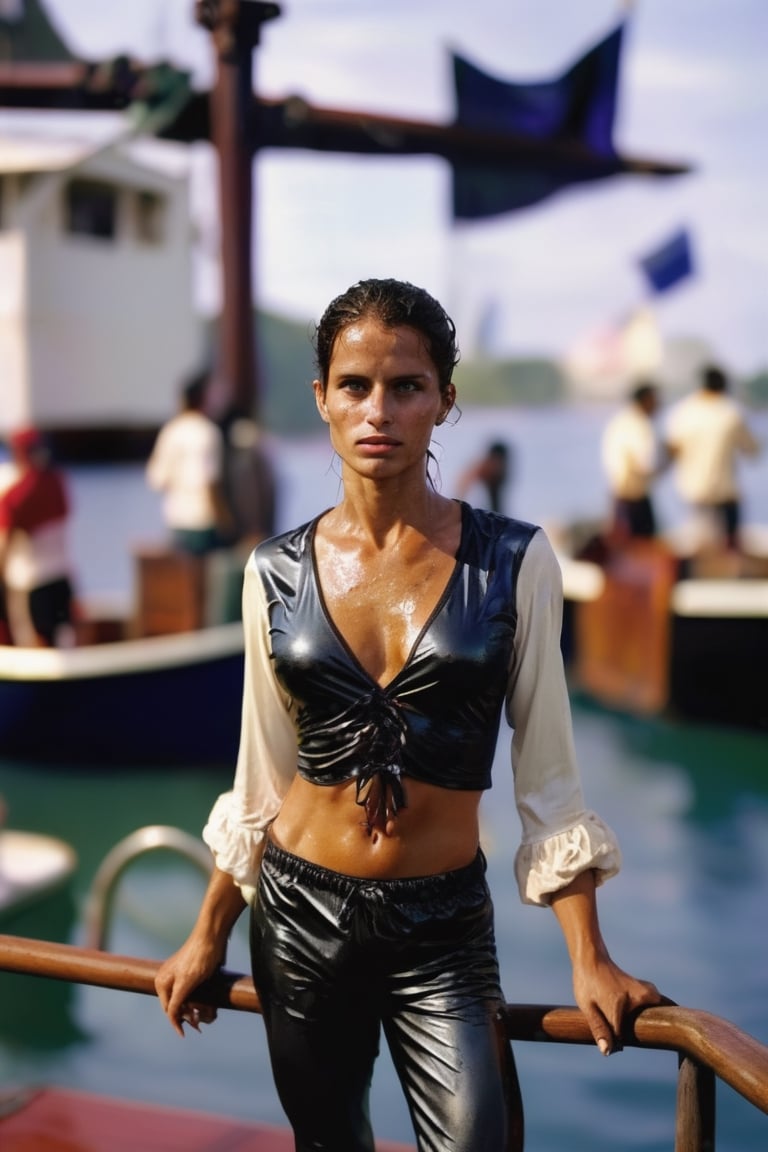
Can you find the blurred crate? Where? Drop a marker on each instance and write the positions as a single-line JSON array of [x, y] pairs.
[[170, 592]]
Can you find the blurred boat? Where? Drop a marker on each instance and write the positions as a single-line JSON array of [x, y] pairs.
[[156, 700], [649, 630], [33, 867], [159, 683]]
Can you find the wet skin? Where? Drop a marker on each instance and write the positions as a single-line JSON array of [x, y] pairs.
[[384, 557]]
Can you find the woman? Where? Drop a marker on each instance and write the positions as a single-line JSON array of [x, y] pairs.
[[383, 640]]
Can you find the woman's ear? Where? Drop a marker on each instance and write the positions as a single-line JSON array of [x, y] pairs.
[[449, 399], [319, 391]]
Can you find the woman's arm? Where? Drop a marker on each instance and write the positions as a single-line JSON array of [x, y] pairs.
[[561, 838], [201, 954], [603, 991], [566, 850], [238, 821]]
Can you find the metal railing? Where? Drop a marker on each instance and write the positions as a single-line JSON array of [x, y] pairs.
[[708, 1047], [99, 904]]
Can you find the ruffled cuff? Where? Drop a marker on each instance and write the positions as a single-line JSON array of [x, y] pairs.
[[237, 846], [545, 866]]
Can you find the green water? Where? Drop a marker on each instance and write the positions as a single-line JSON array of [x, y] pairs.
[[690, 805], [689, 911]]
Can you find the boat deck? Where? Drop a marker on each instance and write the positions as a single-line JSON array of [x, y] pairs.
[[53, 1119]]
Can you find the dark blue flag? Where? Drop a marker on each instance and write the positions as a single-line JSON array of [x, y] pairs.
[[670, 263], [577, 108]]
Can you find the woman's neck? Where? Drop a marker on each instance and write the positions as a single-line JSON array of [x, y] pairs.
[[382, 517]]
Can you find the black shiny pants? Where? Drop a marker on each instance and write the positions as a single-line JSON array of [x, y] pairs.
[[336, 958]]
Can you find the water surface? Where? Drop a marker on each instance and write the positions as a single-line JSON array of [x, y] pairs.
[[689, 803]]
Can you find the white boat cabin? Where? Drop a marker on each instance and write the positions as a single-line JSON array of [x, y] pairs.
[[97, 320]]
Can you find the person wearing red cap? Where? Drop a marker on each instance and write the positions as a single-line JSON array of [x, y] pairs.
[[9, 474], [34, 552]]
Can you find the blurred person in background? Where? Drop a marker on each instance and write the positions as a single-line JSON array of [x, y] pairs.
[[249, 480], [705, 435], [187, 465], [34, 547], [492, 472], [632, 459], [8, 474]]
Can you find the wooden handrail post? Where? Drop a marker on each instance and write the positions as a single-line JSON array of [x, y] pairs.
[[695, 1117]]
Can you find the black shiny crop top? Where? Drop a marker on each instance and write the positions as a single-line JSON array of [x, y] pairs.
[[438, 719]]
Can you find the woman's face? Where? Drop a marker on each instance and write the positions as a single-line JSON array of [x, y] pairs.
[[382, 398]]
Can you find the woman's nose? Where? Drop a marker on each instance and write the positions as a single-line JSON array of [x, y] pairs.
[[379, 409]]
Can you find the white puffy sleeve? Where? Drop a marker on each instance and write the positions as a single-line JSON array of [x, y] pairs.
[[560, 837], [266, 762]]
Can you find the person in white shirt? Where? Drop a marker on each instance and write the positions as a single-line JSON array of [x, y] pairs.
[[705, 434], [631, 460], [187, 466]]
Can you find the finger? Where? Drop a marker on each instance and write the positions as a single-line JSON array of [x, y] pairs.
[[616, 1017], [602, 1033], [175, 1011], [191, 1016], [176, 1023], [206, 1013], [653, 996], [197, 1014]]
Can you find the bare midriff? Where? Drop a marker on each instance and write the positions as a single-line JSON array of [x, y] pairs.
[[437, 831]]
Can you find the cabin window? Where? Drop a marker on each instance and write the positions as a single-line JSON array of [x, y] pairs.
[[91, 209], [150, 217]]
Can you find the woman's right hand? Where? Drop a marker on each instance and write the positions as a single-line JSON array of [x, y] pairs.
[[179, 976], [198, 958]]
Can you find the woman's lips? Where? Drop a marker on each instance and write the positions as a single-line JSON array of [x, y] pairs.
[[378, 444]]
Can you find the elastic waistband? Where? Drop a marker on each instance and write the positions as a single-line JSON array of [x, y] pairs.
[[437, 884]]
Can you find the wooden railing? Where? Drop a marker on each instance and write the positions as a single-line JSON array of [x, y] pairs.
[[708, 1047]]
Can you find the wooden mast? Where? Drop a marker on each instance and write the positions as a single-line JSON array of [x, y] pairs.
[[235, 26]]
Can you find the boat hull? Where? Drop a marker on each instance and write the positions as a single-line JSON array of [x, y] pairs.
[[164, 701], [643, 641], [717, 669]]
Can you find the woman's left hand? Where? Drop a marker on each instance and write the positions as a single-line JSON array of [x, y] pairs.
[[604, 992], [607, 996]]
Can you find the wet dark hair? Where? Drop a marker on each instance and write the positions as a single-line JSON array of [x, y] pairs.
[[393, 303], [713, 379], [193, 390], [646, 390]]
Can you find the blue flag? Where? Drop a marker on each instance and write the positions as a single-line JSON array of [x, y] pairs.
[[578, 107], [667, 265]]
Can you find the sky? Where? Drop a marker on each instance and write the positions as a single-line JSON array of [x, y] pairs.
[[549, 280]]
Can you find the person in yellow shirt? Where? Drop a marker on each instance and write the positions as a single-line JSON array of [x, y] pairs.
[[706, 433]]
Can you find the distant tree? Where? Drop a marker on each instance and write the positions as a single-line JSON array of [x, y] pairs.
[[27, 33], [755, 389], [500, 382]]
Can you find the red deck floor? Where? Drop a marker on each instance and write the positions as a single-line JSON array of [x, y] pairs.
[[57, 1120]]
